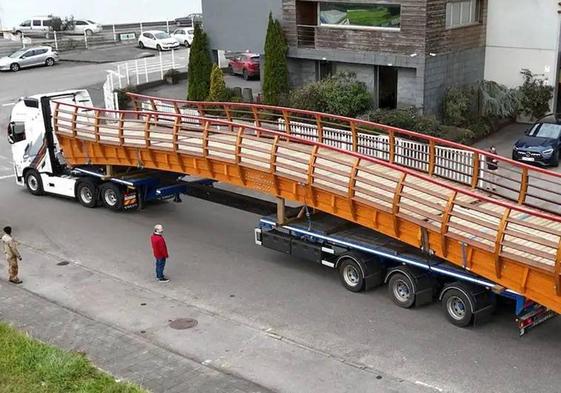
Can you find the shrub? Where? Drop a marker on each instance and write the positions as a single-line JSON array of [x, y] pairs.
[[406, 118], [340, 94], [456, 106], [275, 73], [200, 67], [534, 96], [172, 74], [218, 91], [496, 101], [123, 99]]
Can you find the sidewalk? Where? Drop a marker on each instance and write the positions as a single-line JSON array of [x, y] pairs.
[[124, 327], [124, 355]]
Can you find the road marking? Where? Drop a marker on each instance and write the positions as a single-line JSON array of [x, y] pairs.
[[7, 177], [3, 157], [429, 386], [10, 104]]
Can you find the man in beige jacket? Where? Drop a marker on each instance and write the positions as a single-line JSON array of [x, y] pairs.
[[12, 255]]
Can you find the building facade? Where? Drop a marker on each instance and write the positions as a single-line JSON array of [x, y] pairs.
[[407, 52]]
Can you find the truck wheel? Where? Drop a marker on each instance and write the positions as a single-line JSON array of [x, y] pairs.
[[86, 192], [457, 307], [33, 182], [111, 196], [401, 290], [351, 275]]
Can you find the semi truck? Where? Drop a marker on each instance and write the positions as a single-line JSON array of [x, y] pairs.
[[364, 259], [39, 162]]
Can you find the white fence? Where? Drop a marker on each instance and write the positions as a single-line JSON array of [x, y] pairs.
[[136, 72], [453, 164]]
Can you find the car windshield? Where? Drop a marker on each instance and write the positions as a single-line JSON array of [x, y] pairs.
[[161, 36], [546, 130], [254, 59], [17, 53], [90, 22]]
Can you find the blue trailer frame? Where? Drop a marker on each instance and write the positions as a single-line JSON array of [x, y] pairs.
[[391, 254]]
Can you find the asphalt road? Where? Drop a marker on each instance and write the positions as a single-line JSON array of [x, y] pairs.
[[214, 257]]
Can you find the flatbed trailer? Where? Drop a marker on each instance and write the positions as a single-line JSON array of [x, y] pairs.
[[366, 260]]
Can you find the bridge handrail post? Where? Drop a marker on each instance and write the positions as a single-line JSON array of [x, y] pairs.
[[121, 128], [354, 135], [319, 125], [524, 180]]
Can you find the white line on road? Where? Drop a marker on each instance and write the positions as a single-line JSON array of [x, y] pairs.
[[7, 177], [429, 386], [9, 104]]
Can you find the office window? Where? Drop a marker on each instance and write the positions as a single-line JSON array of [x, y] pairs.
[[381, 16], [462, 13]]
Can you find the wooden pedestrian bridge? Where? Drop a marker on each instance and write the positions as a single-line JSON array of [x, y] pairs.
[[424, 191]]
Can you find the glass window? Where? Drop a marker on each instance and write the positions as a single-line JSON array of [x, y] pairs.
[[546, 130], [27, 23], [36, 22], [40, 51], [48, 22], [162, 35], [80, 23], [17, 53], [360, 15], [90, 22], [461, 13]]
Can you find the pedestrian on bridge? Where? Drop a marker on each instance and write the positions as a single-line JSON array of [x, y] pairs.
[[12, 255], [160, 251], [492, 167]]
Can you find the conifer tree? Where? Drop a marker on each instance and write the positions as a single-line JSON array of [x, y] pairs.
[[200, 66], [275, 75], [218, 92]]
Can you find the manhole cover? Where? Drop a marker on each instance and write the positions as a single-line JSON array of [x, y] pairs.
[[183, 323], [63, 263]]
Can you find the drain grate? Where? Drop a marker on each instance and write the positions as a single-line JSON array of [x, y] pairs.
[[183, 323], [63, 263]]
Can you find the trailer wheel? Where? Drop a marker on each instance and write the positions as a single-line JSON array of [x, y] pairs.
[[457, 307], [351, 275], [33, 182], [111, 196], [401, 290], [86, 192]]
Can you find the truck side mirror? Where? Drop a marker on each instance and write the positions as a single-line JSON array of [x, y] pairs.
[[16, 132]]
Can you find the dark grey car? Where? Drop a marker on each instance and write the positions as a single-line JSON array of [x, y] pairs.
[[29, 57]]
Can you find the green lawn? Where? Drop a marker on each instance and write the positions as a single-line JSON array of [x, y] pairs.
[[28, 366], [380, 17]]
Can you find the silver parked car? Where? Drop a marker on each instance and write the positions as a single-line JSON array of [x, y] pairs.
[[29, 57]]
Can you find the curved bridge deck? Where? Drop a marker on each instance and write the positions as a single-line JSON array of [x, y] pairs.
[[514, 245]]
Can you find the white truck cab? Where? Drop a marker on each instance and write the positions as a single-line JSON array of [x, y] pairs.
[[36, 155]]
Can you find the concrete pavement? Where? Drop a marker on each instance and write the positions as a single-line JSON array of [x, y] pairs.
[[125, 355]]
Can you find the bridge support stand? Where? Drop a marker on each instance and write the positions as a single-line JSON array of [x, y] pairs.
[[281, 211]]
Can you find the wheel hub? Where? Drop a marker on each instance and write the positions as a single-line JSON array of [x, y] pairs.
[[33, 183], [86, 195], [110, 197], [351, 275], [401, 290], [456, 307]]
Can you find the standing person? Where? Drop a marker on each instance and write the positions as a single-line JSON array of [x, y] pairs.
[[160, 250], [492, 166], [12, 255]]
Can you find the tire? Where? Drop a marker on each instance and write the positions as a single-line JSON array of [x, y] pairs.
[[186, 44], [14, 67], [245, 75], [18, 33], [140, 44], [33, 182], [111, 196], [230, 70], [158, 47], [401, 290], [456, 306], [89, 33], [351, 275], [50, 62], [86, 192]]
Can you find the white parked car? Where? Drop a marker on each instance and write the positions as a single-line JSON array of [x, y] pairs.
[[157, 39], [38, 26], [85, 26], [184, 36]]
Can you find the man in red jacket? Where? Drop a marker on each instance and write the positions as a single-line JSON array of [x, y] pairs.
[[160, 252]]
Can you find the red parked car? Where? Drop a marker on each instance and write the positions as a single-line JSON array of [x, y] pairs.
[[246, 64]]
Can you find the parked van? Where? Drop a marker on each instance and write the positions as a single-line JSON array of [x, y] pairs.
[[37, 26]]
